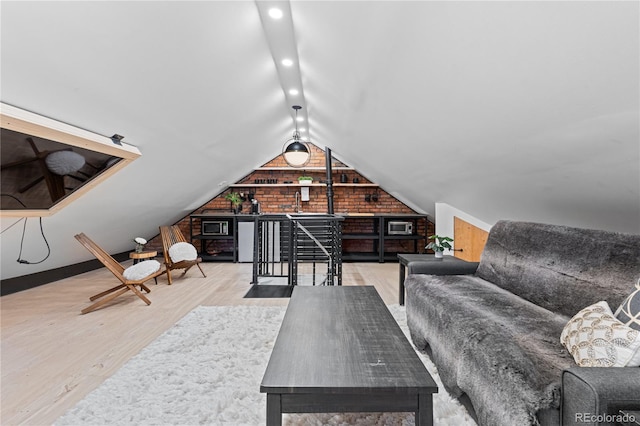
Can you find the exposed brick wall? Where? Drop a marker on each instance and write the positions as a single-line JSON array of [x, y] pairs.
[[347, 199]]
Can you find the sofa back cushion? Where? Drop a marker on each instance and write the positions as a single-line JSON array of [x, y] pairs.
[[560, 268]]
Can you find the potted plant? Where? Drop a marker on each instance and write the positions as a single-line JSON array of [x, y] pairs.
[[439, 244], [305, 180], [236, 201]]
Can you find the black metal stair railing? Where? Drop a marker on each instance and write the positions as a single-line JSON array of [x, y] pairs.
[[296, 247]]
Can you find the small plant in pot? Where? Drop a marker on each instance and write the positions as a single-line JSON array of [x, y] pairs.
[[305, 180], [236, 201], [439, 244]]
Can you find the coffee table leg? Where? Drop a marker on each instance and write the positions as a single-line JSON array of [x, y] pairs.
[[401, 284], [424, 415], [274, 409]]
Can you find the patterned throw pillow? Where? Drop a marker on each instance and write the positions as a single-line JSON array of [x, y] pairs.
[[629, 311], [596, 338]]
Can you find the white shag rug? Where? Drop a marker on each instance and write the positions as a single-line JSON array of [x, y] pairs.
[[207, 369]]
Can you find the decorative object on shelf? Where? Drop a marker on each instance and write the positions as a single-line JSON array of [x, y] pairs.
[[439, 244], [305, 180], [236, 201], [255, 206], [296, 152], [140, 243]]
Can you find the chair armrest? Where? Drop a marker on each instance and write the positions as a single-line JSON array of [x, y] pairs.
[[457, 267], [595, 396]]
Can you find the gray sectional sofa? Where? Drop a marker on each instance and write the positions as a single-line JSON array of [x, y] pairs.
[[494, 335]]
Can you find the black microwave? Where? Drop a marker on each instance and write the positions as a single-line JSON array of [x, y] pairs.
[[215, 227]]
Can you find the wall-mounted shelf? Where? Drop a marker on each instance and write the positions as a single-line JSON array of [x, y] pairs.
[[276, 185], [321, 169], [371, 185]]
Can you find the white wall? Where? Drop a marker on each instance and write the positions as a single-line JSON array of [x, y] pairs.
[[444, 221]]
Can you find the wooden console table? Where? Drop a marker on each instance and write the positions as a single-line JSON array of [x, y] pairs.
[[340, 350]]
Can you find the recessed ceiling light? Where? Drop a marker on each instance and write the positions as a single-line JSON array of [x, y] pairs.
[[293, 92], [302, 129], [300, 119], [275, 13], [287, 62]]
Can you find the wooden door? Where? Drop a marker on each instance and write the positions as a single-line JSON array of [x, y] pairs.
[[469, 238]]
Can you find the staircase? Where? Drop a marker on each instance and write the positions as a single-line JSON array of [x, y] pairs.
[[298, 249]]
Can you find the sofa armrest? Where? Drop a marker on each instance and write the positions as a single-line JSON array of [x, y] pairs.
[[595, 396], [457, 267], [448, 265]]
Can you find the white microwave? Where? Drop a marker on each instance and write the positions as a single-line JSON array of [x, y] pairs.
[[399, 228], [215, 227]]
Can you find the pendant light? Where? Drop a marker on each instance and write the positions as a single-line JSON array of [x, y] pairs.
[[296, 152]]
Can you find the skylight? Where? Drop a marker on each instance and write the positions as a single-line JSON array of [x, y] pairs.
[[47, 164]]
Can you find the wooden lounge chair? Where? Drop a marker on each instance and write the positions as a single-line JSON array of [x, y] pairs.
[[171, 235], [119, 271]]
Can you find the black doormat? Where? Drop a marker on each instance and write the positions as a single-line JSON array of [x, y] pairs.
[[269, 291]]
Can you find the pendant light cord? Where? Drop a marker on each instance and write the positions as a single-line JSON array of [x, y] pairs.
[[296, 108], [24, 231]]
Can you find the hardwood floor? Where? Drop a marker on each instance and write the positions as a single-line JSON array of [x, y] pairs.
[[51, 356]]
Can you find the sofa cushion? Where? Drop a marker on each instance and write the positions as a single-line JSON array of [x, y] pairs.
[[499, 349], [182, 251], [141, 270], [560, 268], [595, 338]]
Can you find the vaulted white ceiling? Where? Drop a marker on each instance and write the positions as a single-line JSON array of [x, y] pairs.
[[518, 110]]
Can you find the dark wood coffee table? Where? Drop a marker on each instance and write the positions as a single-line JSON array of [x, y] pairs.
[[340, 350]]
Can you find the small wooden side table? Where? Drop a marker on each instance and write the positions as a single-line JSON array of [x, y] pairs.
[[144, 255]]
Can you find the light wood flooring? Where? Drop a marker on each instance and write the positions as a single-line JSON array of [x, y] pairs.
[[51, 357]]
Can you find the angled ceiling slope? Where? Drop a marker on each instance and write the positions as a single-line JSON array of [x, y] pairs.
[[516, 110], [506, 110]]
